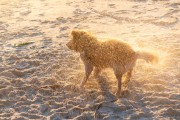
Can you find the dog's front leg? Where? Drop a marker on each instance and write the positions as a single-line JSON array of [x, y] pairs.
[[119, 78], [128, 77], [88, 69]]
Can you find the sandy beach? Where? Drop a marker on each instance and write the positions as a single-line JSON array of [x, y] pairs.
[[39, 75]]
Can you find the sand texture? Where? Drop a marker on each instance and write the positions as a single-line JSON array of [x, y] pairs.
[[39, 75]]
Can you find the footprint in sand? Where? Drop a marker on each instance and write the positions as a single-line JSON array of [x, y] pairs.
[[11, 59], [44, 108], [80, 26], [18, 73], [175, 5], [25, 64], [69, 3], [153, 10], [61, 20], [4, 93], [46, 42], [77, 11], [135, 6], [25, 13], [81, 13], [112, 6], [16, 93], [166, 21], [64, 28], [6, 73], [41, 14]]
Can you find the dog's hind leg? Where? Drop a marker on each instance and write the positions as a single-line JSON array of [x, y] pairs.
[[128, 77], [97, 71], [118, 75]]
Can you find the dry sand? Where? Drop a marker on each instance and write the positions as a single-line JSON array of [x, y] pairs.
[[39, 80]]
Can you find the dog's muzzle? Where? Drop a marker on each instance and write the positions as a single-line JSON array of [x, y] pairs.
[[69, 45]]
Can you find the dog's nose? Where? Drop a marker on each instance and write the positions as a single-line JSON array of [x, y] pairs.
[[68, 45]]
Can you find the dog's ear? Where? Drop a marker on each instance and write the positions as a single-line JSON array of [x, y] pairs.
[[78, 33], [75, 33]]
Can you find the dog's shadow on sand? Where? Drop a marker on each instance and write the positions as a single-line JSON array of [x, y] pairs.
[[104, 86]]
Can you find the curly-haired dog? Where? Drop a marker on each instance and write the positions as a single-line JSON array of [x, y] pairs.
[[115, 54]]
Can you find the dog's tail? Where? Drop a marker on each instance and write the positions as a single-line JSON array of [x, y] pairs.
[[149, 57]]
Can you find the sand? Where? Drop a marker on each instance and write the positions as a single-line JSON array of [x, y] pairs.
[[40, 80]]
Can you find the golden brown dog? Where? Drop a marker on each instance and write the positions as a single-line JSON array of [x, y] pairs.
[[114, 54]]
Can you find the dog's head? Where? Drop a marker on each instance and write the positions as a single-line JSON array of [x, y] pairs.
[[78, 41]]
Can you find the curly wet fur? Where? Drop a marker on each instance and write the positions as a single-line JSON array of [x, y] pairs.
[[115, 54]]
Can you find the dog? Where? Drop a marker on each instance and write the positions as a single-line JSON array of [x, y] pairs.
[[115, 54]]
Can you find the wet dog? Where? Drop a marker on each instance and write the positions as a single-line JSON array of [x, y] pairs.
[[114, 54]]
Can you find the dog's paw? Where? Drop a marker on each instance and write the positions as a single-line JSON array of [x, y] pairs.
[[125, 93], [118, 95]]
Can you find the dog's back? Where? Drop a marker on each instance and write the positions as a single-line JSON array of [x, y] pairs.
[[111, 52]]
